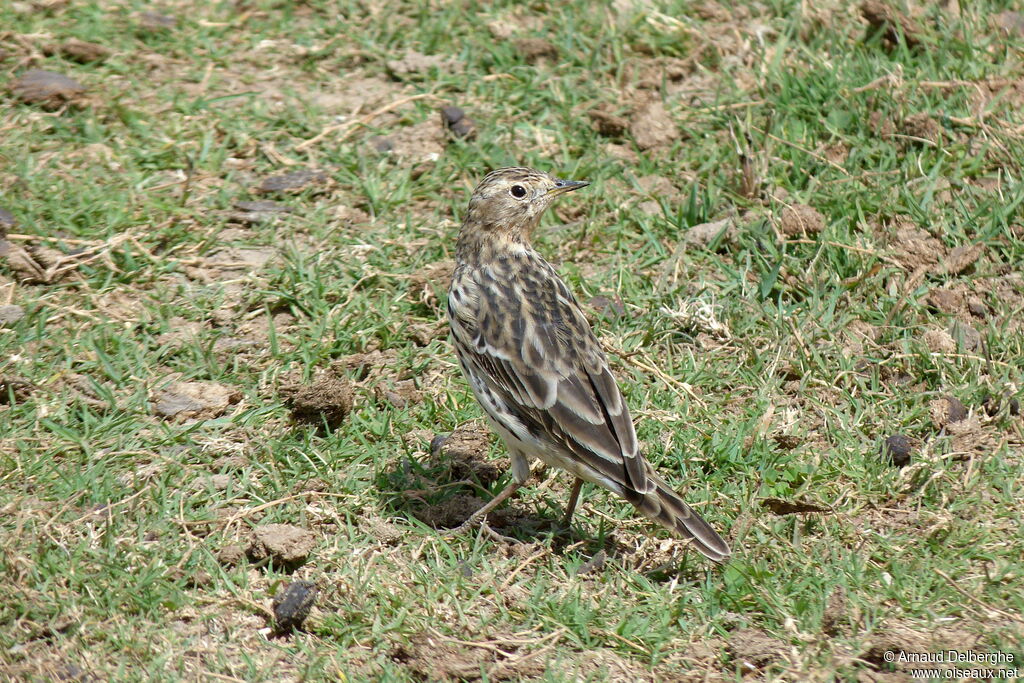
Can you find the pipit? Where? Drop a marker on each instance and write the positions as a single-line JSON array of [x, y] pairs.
[[536, 367]]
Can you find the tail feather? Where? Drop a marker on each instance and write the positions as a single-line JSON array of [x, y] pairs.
[[664, 506]]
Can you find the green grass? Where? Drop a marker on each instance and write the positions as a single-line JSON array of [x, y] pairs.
[[112, 521]]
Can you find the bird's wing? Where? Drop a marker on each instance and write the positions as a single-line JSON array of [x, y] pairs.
[[522, 333]]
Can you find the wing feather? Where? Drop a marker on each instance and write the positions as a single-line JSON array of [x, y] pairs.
[[542, 359]]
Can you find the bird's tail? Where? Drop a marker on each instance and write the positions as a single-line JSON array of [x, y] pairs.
[[664, 506]]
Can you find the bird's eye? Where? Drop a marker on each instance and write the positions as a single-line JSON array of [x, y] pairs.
[[518, 191]]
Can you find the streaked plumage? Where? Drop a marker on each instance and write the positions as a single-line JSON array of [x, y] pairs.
[[536, 367]]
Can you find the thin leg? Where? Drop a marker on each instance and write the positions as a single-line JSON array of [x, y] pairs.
[[574, 497], [477, 516]]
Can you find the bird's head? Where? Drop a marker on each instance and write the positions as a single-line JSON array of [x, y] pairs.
[[509, 202]]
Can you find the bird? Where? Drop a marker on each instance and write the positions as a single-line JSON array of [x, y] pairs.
[[535, 366]]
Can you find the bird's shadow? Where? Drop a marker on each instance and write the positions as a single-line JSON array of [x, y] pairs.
[[443, 489]]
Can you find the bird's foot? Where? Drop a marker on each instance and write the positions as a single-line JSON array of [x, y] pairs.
[[481, 521]]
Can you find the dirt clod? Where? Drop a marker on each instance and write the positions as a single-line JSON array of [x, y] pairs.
[[894, 24], [896, 450], [916, 248], [429, 284], [382, 530], [14, 389], [1011, 23], [47, 89], [780, 506], [704, 235], [263, 205], [6, 221], [400, 394], [293, 181], [651, 126], [968, 338], [198, 579], [380, 144], [231, 555], [608, 307], [195, 400], [283, 543], [962, 258], [608, 124], [939, 341], [922, 128], [835, 612], [800, 219], [154, 21], [10, 314], [80, 51], [977, 307], [34, 264], [456, 510], [328, 398], [594, 564], [533, 50], [946, 410], [945, 301], [292, 605]]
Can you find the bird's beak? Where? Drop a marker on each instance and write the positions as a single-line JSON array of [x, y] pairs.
[[563, 186]]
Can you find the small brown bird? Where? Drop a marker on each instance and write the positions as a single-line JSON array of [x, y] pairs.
[[536, 367]]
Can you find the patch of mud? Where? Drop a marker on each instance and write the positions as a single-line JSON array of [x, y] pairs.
[[431, 657], [457, 509], [751, 649], [894, 636]]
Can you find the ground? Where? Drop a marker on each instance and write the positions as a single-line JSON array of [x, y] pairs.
[[224, 369]]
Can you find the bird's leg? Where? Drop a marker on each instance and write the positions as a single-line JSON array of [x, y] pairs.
[[574, 496], [477, 516]]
